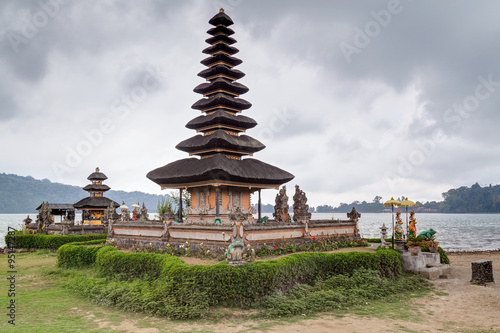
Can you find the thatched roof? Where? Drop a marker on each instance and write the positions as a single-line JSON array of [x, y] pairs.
[[221, 18], [221, 70], [221, 57], [96, 187], [223, 118], [219, 167], [220, 139], [95, 202], [220, 84], [57, 206], [220, 29], [222, 100], [97, 175]]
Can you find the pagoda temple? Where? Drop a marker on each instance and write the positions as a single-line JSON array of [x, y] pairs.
[[93, 207], [222, 178]]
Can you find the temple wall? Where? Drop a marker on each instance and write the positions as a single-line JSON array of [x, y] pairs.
[[60, 229], [217, 236]]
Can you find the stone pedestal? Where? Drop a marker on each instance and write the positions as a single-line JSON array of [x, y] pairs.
[[482, 272]]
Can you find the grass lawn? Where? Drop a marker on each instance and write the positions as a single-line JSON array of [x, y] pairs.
[[43, 305]]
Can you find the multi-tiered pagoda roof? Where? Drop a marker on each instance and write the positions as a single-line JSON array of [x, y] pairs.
[[221, 147], [96, 189]]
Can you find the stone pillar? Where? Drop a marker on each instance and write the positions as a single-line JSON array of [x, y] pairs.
[[180, 206], [482, 272]]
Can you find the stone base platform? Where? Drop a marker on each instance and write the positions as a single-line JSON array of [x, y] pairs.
[[216, 236], [426, 264]]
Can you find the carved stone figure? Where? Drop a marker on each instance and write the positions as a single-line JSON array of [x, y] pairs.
[[353, 215], [71, 216], [168, 216], [27, 220], [235, 250], [44, 218], [109, 213], [281, 208], [144, 213], [300, 207], [237, 215]]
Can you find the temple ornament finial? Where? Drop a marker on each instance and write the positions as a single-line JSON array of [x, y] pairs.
[[221, 10], [97, 169]]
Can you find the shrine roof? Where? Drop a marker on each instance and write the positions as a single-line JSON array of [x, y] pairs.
[[218, 168], [95, 202]]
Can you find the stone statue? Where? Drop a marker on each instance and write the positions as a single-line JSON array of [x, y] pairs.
[[27, 220], [44, 218], [353, 215], [110, 212], [428, 233], [281, 208], [168, 215], [412, 228], [300, 208], [71, 216], [235, 251], [144, 213], [237, 215]]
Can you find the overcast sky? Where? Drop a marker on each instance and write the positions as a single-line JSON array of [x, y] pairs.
[[355, 98]]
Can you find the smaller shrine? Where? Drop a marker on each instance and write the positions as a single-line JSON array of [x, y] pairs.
[[94, 206], [59, 212]]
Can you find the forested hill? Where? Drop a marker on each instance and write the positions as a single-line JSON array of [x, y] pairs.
[[23, 194], [474, 199]]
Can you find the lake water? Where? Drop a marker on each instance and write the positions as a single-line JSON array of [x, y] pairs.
[[455, 232]]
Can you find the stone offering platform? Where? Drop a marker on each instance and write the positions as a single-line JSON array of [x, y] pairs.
[[426, 264]]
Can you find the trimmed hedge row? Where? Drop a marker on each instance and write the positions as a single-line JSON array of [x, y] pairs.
[[76, 256], [42, 241], [221, 283]]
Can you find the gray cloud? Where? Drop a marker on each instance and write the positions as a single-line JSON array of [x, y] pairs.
[[353, 122]]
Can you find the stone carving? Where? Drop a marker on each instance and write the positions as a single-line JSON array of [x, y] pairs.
[[109, 213], [44, 219], [353, 215], [235, 250], [281, 208], [237, 214], [144, 213], [300, 207], [71, 216], [168, 215], [27, 220]]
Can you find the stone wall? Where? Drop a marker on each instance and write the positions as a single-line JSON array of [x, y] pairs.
[[215, 236]]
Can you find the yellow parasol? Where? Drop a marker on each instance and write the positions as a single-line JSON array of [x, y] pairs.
[[391, 203], [407, 203]]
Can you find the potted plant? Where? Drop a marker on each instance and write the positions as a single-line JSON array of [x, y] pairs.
[[414, 244], [431, 245]]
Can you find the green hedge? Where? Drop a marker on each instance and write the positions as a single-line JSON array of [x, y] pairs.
[[77, 256], [41, 241], [221, 283]]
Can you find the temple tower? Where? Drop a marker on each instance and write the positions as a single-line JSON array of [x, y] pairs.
[[93, 207], [222, 178]]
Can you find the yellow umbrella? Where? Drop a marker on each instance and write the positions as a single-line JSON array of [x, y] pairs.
[[391, 203], [407, 203]]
